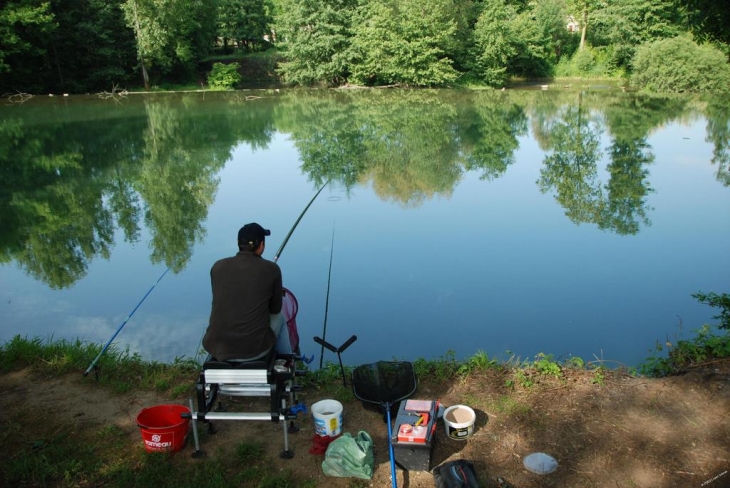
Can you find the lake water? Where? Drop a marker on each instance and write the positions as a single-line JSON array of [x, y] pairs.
[[573, 223]]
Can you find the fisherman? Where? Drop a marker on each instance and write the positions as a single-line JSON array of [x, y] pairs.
[[246, 320]]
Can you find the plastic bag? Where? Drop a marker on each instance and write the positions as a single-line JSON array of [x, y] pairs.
[[456, 474], [350, 457]]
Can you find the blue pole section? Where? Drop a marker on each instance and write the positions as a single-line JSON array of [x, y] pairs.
[[119, 329]]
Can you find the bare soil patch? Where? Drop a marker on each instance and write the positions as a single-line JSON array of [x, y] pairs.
[[628, 432]]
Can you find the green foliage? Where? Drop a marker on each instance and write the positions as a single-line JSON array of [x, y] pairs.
[[706, 345], [510, 41], [686, 353], [523, 379], [119, 370], [171, 35], [86, 45], [575, 362], [493, 42], [407, 42], [546, 365], [314, 40], [624, 26], [708, 19], [599, 376], [224, 76], [479, 362], [329, 380], [680, 65], [248, 452], [440, 369], [586, 63], [25, 28], [717, 301], [245, 22]]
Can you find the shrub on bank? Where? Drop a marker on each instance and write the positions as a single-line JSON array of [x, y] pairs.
[[224, 76], [680, 65]]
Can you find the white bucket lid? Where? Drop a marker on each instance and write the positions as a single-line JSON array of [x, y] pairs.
[[462, 421], [540, 463]]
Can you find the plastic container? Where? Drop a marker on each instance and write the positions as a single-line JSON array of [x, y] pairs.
[[459, 422], [162, 427], [540, 463], [327, 417]]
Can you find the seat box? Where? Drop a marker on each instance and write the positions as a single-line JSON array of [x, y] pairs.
[[413, 434]]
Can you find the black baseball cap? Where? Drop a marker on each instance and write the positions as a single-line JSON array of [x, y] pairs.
[[252, 233]]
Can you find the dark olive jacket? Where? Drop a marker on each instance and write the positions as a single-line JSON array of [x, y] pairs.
[[246, 290]]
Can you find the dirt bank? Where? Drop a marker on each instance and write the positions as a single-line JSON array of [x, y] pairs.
[[627, 432]]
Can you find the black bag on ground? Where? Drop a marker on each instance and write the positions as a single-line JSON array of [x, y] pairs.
[[456, 474]]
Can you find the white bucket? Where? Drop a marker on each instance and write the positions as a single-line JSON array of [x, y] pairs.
[[327, 417], [459, 422]]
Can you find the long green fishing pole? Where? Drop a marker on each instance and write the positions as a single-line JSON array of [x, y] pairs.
[[106, 346], [291, 231], [327, 299]]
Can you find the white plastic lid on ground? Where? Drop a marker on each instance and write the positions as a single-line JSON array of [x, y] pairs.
[[540, 463]]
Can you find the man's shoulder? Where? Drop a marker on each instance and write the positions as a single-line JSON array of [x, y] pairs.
[[271, 265], [223, 261], [247, 259]]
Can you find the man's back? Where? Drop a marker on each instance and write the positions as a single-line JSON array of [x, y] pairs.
[[246, 290]]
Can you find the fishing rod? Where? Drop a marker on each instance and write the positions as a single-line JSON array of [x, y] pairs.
[[322, 341], [291, 231], [327, 299], [106, 346]]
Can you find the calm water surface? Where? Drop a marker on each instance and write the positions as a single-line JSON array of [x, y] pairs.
[[571, 223]]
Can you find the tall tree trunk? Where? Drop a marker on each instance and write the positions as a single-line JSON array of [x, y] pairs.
[[584, 28], [58, 66], [145, 75]]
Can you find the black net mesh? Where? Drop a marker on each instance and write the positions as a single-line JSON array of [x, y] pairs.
[[384, 381]]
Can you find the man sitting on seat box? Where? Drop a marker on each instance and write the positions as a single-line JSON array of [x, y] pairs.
[[245, 317]]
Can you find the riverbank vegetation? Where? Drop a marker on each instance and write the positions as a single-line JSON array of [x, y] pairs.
[[94, 45], [62, 429]]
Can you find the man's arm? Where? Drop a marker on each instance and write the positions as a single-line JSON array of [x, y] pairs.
[[277, 296]]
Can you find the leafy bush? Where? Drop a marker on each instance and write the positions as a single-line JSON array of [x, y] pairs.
[[683, 355], [587, 62], [224, 76], [680, 65], [705, 346]]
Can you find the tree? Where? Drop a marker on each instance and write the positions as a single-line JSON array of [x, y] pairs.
[[584, 8], [493, 41], [508, 42], [407, 42], [624, 26], [550, 15], [92, 49], [24, 28], [708, 19], [244, 21], [170, 33], [314, 38]]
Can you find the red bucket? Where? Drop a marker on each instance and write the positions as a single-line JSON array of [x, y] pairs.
[[162, 427]]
